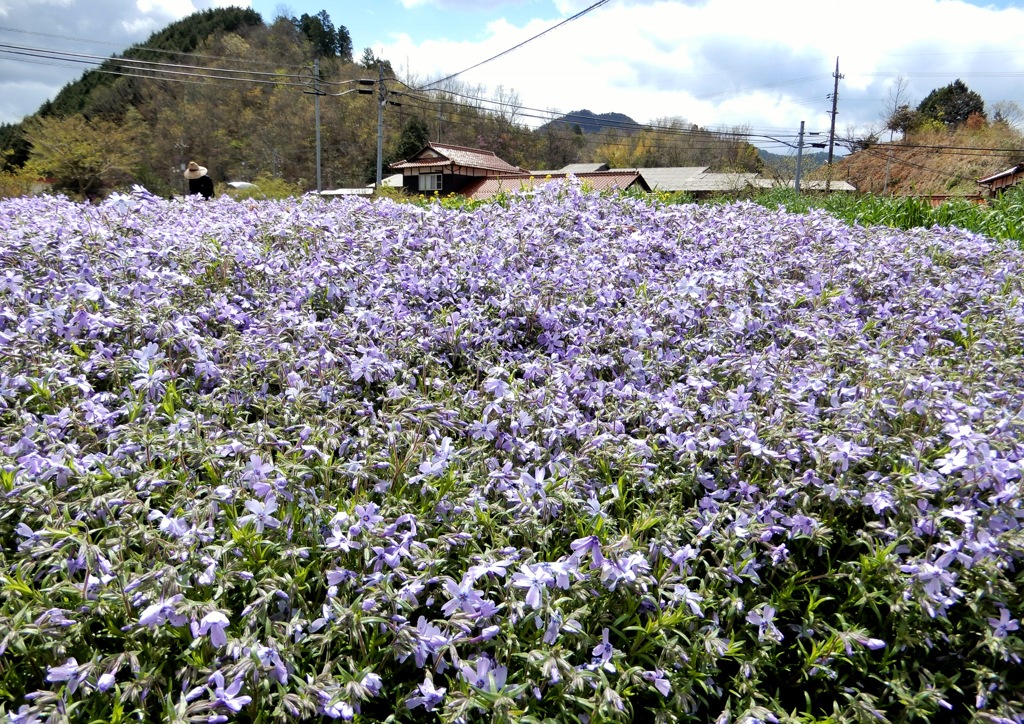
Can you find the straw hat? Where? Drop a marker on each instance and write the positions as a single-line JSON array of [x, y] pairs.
[[194, 170]]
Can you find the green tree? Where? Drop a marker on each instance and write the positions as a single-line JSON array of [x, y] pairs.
[[344, 44], [84, 156], [415, 135], [952, 105], [321, 33], [370, 61], [904, 119]]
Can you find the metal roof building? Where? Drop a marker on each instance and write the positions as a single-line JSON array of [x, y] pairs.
[[597, 181]]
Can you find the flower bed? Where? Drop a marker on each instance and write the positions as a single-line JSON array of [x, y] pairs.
[[572, 457]]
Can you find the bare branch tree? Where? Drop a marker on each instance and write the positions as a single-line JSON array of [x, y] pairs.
[[1009, 113], [897, 104]]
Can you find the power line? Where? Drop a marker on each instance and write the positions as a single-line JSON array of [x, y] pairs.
[[180, 72], [159, 68], [143, 48], [577, 16], [548, 115], [921, 167]]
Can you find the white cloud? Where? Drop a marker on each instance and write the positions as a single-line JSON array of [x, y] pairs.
[[85, 27], [720, 62]]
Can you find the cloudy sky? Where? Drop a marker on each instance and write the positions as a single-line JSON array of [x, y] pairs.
[[765, 66]]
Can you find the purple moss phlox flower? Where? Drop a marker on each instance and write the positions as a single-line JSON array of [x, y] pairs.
[[256, 469], [214, 623], [105, 682], [332, 706], [366, 519], [535, 579], [429, 641], [589, 544], [23, 716], [690, 598], [764, 619], [1004, 625], [681, 557], [846, 451], [657, 677], [623, 570], [426, 696], [865, 641], [227, 696], [603, 653], [462, 597], [163, 611], [271, 661], [489, 569], [66, 672], [373, 683], [261, 514], [485, 675], [557, 625]]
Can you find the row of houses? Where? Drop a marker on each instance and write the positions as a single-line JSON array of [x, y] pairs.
[[479, 174]]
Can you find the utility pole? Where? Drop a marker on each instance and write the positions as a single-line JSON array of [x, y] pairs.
[[832, 130], [316, 96], [382, 98], [799, 155]]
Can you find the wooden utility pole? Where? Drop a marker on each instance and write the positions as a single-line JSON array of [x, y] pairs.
[[832, 129], [316, 98], [382, 98]]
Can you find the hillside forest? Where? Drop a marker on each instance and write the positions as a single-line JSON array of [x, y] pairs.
[[240, 96]]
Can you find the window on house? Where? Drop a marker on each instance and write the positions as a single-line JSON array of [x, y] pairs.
[[430, 182]]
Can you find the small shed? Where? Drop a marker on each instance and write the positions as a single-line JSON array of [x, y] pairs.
[[814, 185], [449, 169], [1003, 180]]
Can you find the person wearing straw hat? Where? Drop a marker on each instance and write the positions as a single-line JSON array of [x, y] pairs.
[[198, 181]]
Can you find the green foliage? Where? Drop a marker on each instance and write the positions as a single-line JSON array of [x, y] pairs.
[[84, 156], [327, 41], [1002, 218], [15, 183], [268, 187], [952, 105], [904, 120], [415, 135]]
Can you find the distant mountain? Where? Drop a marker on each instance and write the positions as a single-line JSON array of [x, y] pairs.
[[595, 122], [786, 163]]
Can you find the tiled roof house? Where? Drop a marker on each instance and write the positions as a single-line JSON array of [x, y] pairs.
[[449, 169]]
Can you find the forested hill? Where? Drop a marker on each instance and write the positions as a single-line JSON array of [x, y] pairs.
[[589, 122], [94, 92]]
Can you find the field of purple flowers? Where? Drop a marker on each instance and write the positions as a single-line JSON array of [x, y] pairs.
[[569, 458]]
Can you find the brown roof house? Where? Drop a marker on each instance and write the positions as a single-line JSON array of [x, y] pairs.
[[449, 169]]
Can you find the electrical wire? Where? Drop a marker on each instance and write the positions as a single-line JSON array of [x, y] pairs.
[[145, 48], [155, 66], [180, 72], [577, 16]]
